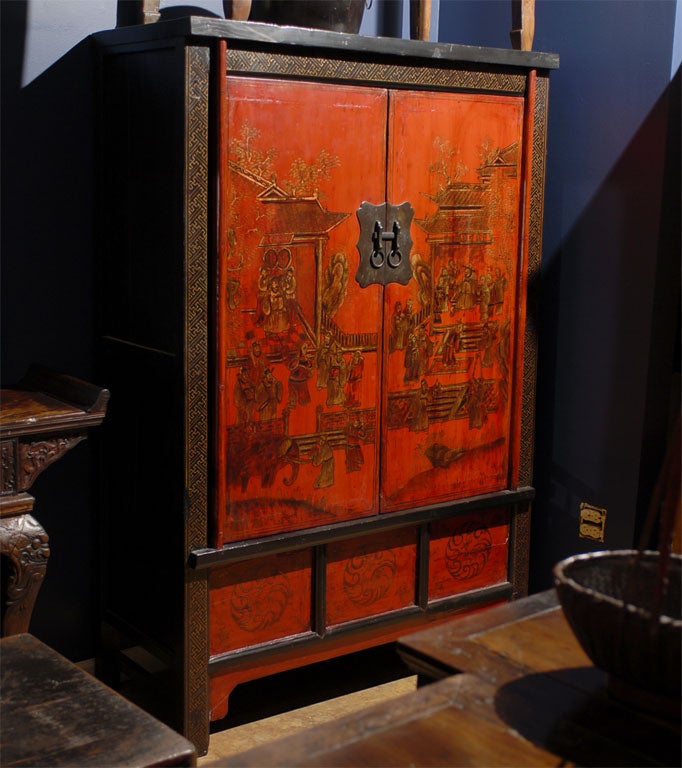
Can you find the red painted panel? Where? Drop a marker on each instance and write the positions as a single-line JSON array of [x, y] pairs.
[[371, 575], [299, 341], [469, 552], [257, 666], [450, 348], [260, 600]]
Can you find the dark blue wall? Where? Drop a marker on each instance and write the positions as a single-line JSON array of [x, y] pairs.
[[610, 270], [610, 264]]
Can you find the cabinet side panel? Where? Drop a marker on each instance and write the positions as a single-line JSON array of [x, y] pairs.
[[140, 244], [299, 363], [450, 353], [140, 233], [153, 247], [141, 551]]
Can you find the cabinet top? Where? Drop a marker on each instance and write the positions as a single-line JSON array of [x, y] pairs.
[[197, 27]]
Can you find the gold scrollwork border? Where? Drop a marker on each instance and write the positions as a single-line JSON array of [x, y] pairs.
[[537, 196], [519, 555], [424, 76], [196, 704]]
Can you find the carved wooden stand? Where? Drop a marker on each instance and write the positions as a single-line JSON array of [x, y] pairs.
[[41, 419]]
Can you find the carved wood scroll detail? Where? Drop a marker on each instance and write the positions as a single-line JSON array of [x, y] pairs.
[[34, 457], [25, 547], [7, 466]]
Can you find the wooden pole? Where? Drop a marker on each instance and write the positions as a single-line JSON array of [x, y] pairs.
[[420, 19], [523, 24], [237, 9], [149, 11]]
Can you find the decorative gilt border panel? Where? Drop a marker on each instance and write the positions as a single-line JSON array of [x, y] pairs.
[[412, 75], [196, 389], [520, 549], [537, 196]]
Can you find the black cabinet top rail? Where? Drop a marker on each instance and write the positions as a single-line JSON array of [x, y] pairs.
[[245, 32]]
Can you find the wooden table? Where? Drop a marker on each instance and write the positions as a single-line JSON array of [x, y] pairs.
[[515, 689], [52, 713], [45, 415]]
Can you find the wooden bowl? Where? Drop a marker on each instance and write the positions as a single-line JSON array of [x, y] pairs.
[[332, 15], [608, 599]]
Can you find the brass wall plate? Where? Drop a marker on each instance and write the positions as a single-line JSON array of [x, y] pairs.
[[592, 522]]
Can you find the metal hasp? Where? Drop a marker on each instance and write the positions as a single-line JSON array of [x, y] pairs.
[[384, 244]]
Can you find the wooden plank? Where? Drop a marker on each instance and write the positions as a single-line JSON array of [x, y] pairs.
[[542, 642], [463, 720], [428, 727], [53, 713], [442, 648]]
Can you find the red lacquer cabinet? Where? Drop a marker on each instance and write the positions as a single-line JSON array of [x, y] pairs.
[[315, 258]]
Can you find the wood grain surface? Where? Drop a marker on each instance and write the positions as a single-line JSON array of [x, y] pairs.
[[53, 713]]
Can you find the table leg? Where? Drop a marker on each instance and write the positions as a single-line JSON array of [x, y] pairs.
[[24, 547]]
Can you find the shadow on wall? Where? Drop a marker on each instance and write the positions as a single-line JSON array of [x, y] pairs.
[[128, 13], [47, 305], [47, 236], [381, 17], [47, 313], [609, 331]]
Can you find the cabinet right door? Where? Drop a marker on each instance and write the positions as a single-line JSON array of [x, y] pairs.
[[450, 333]]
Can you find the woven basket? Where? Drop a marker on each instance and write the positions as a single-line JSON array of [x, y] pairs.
[[626, 624]]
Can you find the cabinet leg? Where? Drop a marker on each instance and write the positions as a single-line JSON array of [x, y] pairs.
[[221, 688], [24, 547]]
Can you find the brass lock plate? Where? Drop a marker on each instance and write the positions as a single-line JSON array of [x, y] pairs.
[[592, 522], [384, 244]]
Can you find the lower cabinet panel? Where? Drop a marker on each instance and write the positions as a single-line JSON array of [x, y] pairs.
[[468, 552], [256, 601], [277, 611], [371, 575]]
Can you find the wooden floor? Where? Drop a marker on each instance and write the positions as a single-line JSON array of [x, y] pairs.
[[269, 709]]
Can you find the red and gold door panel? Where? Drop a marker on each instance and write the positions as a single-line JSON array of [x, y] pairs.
[[451, 330], [298, 339]]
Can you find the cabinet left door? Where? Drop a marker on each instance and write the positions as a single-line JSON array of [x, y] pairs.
[[298, 340]]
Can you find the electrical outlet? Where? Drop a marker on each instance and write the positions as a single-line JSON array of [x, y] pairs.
[[592, 522]]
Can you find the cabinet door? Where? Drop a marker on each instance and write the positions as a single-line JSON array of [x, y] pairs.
[[450, 335], [298, 340]]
